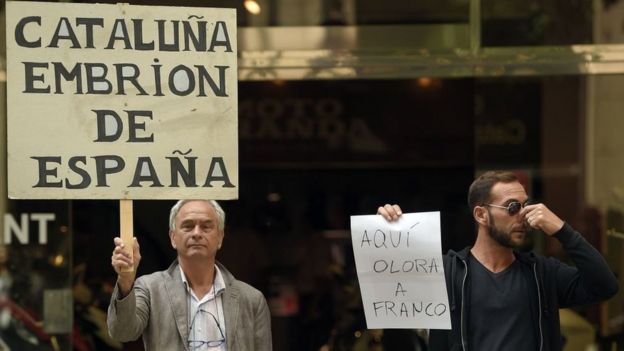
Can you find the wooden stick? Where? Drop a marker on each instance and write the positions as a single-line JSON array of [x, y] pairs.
[[126, 225]]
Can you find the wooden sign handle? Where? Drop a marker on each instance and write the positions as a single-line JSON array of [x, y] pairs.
[[126, 225]]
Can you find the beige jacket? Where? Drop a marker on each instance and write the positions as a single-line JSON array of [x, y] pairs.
[[156, 309]]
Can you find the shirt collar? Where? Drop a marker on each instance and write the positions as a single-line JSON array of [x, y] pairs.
[[219, 283]]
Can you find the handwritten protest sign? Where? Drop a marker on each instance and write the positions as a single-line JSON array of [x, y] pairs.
[[121, 102], [400, 270]]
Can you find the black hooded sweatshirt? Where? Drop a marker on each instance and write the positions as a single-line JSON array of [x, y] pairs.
[[556, 285]]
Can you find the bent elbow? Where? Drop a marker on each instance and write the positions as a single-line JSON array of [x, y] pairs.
[[606, 289], [121, 334]]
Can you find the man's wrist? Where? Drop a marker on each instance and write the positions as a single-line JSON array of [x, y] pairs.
[[554, 228], [124, 286], [565, 234]]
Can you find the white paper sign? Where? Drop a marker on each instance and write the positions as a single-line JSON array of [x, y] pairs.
[[400, 269]]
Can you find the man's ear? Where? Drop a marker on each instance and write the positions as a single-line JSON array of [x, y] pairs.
[[171, 234], [221, 241], [481, 215]]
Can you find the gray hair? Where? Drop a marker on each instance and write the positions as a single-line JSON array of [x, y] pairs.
[[176, 208]]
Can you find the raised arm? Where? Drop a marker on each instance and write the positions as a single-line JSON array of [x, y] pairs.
[[128, 311], [590, 280]]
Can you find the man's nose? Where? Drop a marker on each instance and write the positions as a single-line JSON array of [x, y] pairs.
[[521, 218]]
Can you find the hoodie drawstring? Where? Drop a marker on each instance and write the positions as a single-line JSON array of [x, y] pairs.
[[452, 292]]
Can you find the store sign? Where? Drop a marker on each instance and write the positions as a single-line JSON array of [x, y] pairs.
[[20, 230], [307, 120], [356, 124], [400, 271], [121, 102]]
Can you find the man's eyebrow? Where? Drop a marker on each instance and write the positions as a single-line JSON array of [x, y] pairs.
[[188, 220], [508, 201]]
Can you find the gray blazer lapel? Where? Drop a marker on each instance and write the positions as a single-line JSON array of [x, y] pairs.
[[178, 299], [230, 309]]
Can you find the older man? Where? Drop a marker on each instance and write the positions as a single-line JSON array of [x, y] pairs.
[[196, 304], [505, 299]]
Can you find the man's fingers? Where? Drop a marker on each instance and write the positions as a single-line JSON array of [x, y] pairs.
[[529, 210], [119, 264], [535, 213], [122, 263], [121, 258], [389, 212], [397, 210], [120, 250], [136, 249], [136, 252], [125, 260], [381, 211], [541, 217]]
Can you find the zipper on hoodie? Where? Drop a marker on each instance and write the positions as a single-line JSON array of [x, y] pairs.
[[461, 323], [539, 308]]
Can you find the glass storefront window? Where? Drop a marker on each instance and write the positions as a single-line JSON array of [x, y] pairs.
[[36, 301]]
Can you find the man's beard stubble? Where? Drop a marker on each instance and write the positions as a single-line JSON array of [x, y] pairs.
[[503, 238]]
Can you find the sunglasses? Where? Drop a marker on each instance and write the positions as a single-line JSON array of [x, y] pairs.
[[512, 208]]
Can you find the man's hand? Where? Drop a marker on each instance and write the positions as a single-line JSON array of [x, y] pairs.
[[540, 217], [390, 212], [124, 265]]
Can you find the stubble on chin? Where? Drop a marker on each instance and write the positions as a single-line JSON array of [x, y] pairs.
[[503, 239]]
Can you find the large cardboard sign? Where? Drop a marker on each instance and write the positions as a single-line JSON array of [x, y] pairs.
[[400, 270], [121, 102]]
